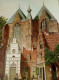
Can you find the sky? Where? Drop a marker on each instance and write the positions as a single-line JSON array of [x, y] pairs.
[[9, 7]]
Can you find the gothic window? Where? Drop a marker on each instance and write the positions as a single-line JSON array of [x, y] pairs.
[[44, 25], [17, 31]]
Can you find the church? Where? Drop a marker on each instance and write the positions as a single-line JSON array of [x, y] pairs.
[[23, 45]]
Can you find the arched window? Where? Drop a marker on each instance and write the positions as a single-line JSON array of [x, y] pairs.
[[17, 31], [44, 25]]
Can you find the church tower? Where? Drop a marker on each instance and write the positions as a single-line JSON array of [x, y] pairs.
[[29, 13], [29, 29]]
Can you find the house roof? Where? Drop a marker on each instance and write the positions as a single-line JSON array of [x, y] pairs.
[[47, 13], [51, 40], [21, 15]]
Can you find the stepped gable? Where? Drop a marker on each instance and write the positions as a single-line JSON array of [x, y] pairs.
[[27, 52], [50, 16], [21, 16], [51, 40]]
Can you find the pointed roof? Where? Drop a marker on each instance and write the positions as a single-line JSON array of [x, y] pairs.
[[29, 13], [21, 15], [29, 9], [50, 16]]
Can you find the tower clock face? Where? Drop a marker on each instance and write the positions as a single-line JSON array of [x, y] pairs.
[[13, 50]]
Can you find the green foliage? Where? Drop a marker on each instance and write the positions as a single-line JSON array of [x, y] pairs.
[[51, 57], [2, 21]]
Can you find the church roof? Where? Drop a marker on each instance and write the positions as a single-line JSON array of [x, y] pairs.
[[50, 16], [21, 15]]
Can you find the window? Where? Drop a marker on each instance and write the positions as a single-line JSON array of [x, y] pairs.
[[35, 72], [41, 45], [40, 55], [28, 57], [26, 73], [44, 24], [40, 71], [26, 69], [17, 31]]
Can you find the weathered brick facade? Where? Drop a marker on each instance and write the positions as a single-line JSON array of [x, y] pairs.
[[35, 36]]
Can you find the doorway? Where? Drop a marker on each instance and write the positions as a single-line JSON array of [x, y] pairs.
[[54, 72], [12, 73]]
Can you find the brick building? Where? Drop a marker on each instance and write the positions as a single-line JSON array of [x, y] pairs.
[[24, 42]]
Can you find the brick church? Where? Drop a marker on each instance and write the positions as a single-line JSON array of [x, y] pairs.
[[23, 45]]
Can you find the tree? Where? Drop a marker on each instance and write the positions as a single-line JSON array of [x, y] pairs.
[[2, 21], [52, 57]]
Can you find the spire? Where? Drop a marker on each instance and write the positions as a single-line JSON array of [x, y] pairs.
[[29, 10], [29, 13], [43, 2], [19, 6]]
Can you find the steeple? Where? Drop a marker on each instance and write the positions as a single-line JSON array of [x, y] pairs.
[[43, 2], [29, 13]]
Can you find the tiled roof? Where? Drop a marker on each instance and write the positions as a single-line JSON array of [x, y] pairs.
[[51, 40]]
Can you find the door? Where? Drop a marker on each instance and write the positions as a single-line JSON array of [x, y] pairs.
[[12, 73], [43, 74], [54, 72]]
